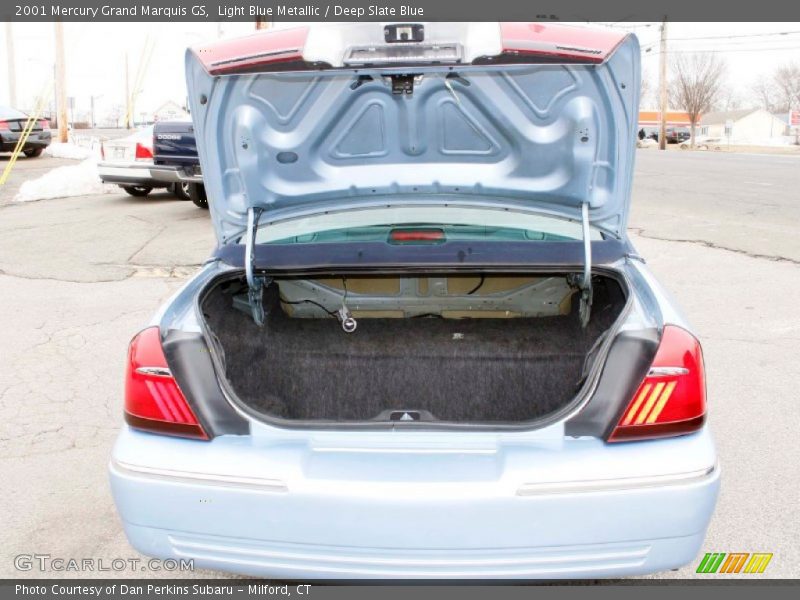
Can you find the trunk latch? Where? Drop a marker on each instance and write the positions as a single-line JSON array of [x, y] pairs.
[[403, 84]]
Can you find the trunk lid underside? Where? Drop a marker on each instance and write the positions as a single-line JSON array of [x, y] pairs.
[[547, 137]]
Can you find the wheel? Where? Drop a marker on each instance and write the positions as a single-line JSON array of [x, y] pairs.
[[139, 191], [34, 152], [197, 193], [181, 190]]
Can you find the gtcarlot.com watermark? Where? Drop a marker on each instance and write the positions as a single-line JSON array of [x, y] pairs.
[[46, 563]]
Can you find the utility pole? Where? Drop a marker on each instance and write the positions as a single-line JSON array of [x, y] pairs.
[[662, 84], [61, 85], [91, 103], [12, 66], [128, 103]]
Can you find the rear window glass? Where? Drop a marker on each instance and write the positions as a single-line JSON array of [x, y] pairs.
[[442, 223], [443, 232]]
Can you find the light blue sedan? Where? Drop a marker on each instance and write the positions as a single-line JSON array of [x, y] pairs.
[[424, 346]]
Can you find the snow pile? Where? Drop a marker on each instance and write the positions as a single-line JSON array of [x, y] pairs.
[[72, 180], [73, 151], [777, 140], [781, 140]]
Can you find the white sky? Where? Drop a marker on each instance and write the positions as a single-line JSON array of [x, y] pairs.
[[96, 55]]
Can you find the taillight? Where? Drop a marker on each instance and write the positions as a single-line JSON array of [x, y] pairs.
[[4, 126], [102, 151], [153, 400], [44, 124], [143, 152], [672, 398]]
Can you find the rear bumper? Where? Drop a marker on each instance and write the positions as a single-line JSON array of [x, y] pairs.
[[332, 513], [37, 139], [132, 174], [174, 174]]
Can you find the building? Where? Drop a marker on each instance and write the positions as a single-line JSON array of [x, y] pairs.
[[169, 111], [748, 126], [650, 123], [652, 118]]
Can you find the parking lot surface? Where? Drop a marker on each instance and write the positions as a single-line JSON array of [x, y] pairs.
[[79, 276]]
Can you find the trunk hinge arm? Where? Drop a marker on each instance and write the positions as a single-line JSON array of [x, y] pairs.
[[585, 310], [255, 283]]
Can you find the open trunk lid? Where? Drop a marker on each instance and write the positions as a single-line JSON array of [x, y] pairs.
[[529, 115]]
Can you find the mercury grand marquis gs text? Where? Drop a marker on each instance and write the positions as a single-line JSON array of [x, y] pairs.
[[424, 346]]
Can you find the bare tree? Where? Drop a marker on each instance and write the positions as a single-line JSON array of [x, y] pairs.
[[646, 89], [767, 95], [696, 83], [728, 99], [787, 80]]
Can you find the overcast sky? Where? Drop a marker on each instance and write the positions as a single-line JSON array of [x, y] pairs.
[[96, 56]]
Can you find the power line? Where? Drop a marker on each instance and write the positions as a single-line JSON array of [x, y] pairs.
[[726, 51], [737, 36]]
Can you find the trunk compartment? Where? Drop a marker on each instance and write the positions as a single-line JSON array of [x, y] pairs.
[[464, 348]]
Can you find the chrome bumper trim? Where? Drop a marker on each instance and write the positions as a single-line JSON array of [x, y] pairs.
[[173, 175], [192, 477], [619, 484], [530, 489]]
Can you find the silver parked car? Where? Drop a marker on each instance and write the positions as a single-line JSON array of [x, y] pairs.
[[127, 162], [425, 346]]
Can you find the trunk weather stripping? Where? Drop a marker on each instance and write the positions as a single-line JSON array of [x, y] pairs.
[[255, 283]]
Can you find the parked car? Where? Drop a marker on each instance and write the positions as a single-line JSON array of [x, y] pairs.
[[126, 162], [175, 159], [703, 142], [12, 124], [420, 350], [676, 135]]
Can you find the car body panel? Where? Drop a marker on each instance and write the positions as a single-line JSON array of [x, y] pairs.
[[395, 505], [549, 137]]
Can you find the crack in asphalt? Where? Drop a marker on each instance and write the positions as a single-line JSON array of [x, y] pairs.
[[640, 231], [147, 242]]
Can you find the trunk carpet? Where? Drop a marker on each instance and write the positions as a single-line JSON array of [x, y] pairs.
[[476, 370]]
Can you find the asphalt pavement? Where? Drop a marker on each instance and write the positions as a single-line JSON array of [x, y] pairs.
[[80, 276]]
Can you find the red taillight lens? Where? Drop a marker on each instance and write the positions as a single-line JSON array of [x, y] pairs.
[[153, 400], [416, 236], [102, 151], [672, 398], [143, 152], [4, 126]]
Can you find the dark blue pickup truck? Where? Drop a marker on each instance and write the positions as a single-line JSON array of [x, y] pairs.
[[175, 159]]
